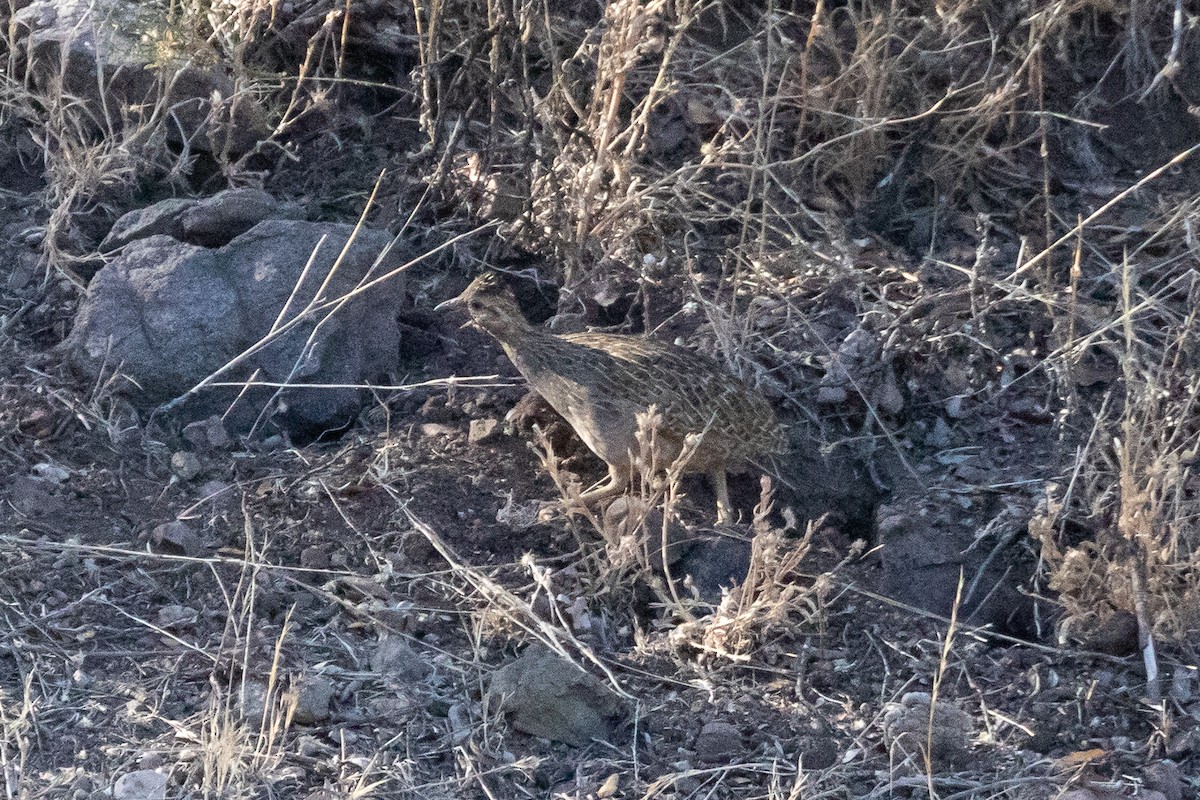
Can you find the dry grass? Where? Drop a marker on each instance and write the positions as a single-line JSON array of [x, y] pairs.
[[640, 138], [905, 205]]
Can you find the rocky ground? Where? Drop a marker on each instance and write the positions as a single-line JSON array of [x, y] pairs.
[[272, 527]]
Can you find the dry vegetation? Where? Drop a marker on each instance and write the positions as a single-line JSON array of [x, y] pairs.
[[884, 213]]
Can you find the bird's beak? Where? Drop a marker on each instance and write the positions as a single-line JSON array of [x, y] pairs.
[[454, 304]]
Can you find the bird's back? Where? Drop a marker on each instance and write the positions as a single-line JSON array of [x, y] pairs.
[[598, 376]]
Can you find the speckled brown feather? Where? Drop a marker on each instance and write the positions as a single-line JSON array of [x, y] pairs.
[[600, 382], [692, 393]]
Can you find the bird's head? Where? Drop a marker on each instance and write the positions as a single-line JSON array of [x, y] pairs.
[[491, 305]]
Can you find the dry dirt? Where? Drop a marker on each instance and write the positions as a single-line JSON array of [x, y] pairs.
[[125, 644], [224, 613]]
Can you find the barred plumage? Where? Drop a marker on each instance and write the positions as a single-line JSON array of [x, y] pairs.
[[601, 382]]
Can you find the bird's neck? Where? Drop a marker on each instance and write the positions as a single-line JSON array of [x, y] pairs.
[[526, 346], [515, 333]]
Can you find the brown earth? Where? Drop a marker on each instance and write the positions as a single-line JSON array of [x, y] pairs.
[[218, 611]]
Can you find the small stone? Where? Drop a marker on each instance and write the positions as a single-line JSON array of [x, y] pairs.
[[820, 752], [195, 433], [38, 423], [461, 726], [888, 397], [483, 430], [215, 220], [252, 699], [417, 549], [568, 323], [185, 464], [176, 616], [973, 475], [940, 435], [718, 743], [954, 407], [394, 657], [909, 730], [311, 746], [1181, 683], [1166, 778], [1115, 636], [831, 395], [207, 433], [315, 556], [176, 539], [313, 699], [33, 496], [150, 760], [432, 429], [610, 786], [218, 494], [545, 695], [51, 473], [144, 784], [214, 430]]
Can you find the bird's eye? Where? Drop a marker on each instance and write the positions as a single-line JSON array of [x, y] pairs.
[[475, 305]]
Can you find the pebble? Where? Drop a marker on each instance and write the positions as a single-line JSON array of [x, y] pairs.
[[939, 437], [144, 784], [313, 699], [483, 430], [394, 657], [176, 538], [719, 743], [185, 464], [207, 433], [547, 696], [907, 730]]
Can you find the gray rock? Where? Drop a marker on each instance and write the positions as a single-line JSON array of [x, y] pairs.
[[313, 699], [216, 220], [207, 433], [711, 560], [483, 430], [928, 541], [719, 743], [395, 657], [144, 784], [1166, 778], [168, 314], [315, 557], [909, 729], [209, 222], [547, 696], [177, 617], [819, 752], [186, 464], [177, 538], [163, 218], [252, 700], [939, 437]]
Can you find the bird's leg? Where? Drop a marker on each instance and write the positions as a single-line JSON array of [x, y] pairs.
[[618, 481], [721, 487], [614, 485]]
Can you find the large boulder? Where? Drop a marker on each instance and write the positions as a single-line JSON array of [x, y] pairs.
[[166, 315]]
